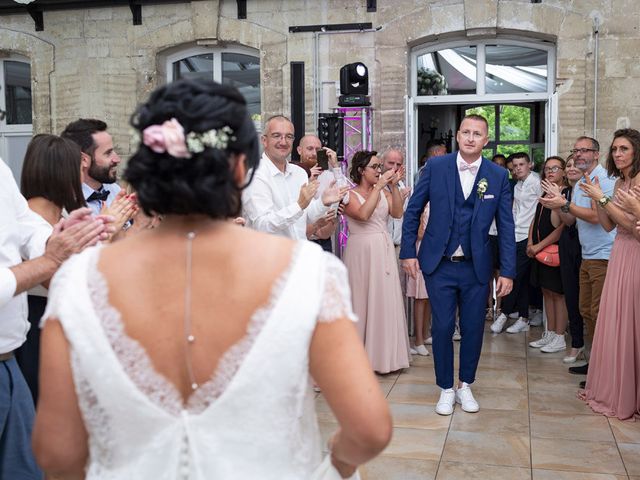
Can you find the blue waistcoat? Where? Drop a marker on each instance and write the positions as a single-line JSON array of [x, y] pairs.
[[461, 228]]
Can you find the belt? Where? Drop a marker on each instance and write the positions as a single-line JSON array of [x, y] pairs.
[[457, 258], [6, 356]]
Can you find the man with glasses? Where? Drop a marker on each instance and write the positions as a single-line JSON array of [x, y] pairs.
[[465, 193], [595, 241], [280, 199]]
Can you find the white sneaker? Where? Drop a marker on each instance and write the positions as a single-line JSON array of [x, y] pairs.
[[556, 345], [456, 334], [535, 318], [420, 350], [521, 325], [547, 337], [513, 315], [465, 398], [498, 324], [413, 351], [445, 404], [428, 341]]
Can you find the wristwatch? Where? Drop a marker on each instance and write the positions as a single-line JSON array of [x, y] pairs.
[[604, 200], [565, 207]]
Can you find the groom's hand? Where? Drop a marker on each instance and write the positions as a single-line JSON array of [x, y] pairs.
[[503, 286], [410, 266]]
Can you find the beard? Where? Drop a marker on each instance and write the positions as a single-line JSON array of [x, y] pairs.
[[101, 174]]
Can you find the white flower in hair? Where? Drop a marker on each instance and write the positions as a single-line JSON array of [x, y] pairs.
[[197, 142]]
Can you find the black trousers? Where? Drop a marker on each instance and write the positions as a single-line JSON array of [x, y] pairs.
[[518, 299], [28, 355], [570, 274]]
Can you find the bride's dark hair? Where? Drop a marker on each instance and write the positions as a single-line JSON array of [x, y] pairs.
[[204, 183]]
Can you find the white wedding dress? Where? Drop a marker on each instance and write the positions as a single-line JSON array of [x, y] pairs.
[[254, 419]]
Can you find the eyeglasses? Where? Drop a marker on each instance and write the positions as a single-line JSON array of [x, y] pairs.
[[279, 136], [582, 150], [552, 169], [376, 166]]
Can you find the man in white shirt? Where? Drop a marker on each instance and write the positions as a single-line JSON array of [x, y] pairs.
[[280, 198], [99, 161], [25, 235], [525, 200]]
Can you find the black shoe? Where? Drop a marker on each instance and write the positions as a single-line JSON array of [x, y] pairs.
[[583, 384], [581, 370]]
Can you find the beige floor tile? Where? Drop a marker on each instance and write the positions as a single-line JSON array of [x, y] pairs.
[[392, 468], [591, 428], [323, 411], [418, 374], [504, 345], [500, 398], [625, 431], [560, 475], [414, 393], [472, 471], [499, 422], [503, 378], [420, 361], [560, 401], [418, 416], [543, 364], [631, 457], [558, 381], [498, 361], [577, 456], [486, 448], [416, 443]]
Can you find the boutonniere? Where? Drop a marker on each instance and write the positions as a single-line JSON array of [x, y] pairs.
[[482, 188]]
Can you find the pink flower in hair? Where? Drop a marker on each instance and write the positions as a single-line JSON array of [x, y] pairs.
[[168, 137]]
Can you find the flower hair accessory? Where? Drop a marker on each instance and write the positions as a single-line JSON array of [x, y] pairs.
[[170, 138]]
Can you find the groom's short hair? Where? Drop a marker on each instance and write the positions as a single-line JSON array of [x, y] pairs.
[[479, 118]]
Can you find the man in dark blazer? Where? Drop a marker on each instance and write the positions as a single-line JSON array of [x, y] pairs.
[[465, 192]]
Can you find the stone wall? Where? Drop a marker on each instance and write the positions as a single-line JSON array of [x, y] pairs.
[[94, 62]]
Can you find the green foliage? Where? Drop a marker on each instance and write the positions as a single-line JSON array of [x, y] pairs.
[[515, 123]]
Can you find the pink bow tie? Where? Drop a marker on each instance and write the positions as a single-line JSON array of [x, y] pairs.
[[465, 166]]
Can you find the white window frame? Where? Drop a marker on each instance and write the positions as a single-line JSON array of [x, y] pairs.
[[217, 58], [480, 96], [19, 127]]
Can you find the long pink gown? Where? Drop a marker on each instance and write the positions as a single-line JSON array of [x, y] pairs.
[[613, 381], [375, 287]]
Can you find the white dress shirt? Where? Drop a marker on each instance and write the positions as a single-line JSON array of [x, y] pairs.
[[270, 202], [96, 205], [467, 180], [525, 201], [23, 234]]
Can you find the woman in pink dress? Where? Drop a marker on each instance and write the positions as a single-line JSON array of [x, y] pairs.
[[613, 382], [371, 261]]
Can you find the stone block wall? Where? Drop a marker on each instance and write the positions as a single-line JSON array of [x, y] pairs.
[[94, 62]]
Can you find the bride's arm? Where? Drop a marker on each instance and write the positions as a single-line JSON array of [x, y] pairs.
[[340, 367], [59, 437]]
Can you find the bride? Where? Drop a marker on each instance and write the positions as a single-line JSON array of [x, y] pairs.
[[187, 351]]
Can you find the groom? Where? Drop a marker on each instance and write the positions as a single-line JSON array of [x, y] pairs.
[[465, 192]]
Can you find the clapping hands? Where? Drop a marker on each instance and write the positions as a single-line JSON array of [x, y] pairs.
[[629, 201], [592, 189], [122, 209], [553, 196]]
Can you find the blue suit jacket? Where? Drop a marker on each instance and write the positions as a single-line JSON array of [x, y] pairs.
[[437, 186]]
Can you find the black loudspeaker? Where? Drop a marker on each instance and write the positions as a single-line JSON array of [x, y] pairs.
[[297, 105], [331, 132]]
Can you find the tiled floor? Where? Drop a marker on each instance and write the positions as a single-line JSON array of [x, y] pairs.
[[530, 425]]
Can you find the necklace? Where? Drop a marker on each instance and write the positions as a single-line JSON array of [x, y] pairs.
[[189, 338]]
